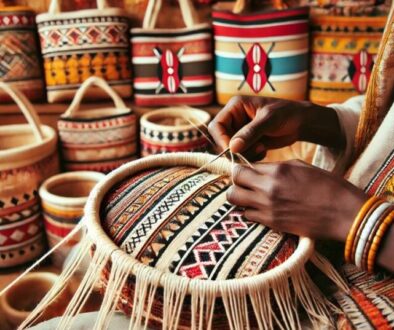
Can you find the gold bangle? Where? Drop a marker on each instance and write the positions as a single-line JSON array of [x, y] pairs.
[[356, 223], [377, 240]]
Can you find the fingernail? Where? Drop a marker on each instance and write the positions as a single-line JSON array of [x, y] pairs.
[[237, 145]]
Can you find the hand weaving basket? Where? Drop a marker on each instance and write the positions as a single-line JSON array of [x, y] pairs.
[[172, 66], [174, 130], [28, 155], [100, 139], [171, 252], [20, 59], [79, 44], [343, 54], [261, 53]]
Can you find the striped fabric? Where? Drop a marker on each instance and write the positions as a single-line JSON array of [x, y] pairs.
[[261, 54], [172, 67]]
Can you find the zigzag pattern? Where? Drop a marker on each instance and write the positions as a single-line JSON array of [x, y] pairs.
[[91, 35], [207, 254], [189, 210], [161, 211], [186, 136]]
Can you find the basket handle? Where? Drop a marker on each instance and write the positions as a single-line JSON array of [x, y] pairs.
[[152, 12], [55, 8], [26, 107], [102, 84], [241, 5]]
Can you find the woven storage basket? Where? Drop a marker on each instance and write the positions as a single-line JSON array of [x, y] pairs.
[[63, 197], [261, 53], [99, 139], [343, 53], [174, 130], [172, 66], [20, 59], [172, 252], [79, 44], [28, 155]]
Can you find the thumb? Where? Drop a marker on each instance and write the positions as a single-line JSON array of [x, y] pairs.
[[248, 135]]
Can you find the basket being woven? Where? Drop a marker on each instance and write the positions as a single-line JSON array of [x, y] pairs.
[[172, 253]]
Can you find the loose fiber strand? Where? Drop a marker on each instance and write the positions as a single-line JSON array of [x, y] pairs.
[[60, 284]]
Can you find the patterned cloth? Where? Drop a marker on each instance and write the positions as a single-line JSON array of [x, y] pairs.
[[179, 221]]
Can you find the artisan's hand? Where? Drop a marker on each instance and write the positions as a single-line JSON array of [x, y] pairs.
[[297, 198], [253, 125]]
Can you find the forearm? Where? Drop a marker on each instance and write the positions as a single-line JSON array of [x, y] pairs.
[[321, 126], [385, 257]]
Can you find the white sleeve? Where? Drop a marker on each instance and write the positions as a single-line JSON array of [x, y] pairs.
[[335, 160]]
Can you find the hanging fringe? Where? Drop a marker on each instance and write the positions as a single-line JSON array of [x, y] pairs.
[[83, 250], [203, 298], [328, 269]]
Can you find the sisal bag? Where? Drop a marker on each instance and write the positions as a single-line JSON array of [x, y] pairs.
[[261, 53], [172, 253], [99, 139], [343, 54], [174, 130], [172, 66], [20, 59], [79, 44], [28, 155]]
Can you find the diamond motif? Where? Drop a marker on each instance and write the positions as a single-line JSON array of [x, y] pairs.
[[3, 239], [32, 229], [14, 200], [17, 235]]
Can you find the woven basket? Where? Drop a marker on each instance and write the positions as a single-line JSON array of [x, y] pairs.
[[28, 155], [260, 53], [343, 53], [99, 139], [20, 58], [140, 226], [79, 44], [172, 66], [174, 130], [63, 198]]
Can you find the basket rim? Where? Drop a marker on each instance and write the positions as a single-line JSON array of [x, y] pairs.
[[28, 153], [83, 13], [61, 178], [202, 116], [100, 239]]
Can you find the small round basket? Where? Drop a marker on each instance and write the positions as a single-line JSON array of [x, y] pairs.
[[174, 129]]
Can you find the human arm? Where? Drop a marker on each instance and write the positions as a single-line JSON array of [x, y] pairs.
[[301, 199]]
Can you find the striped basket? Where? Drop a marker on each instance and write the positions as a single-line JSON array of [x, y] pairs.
[[172, 66], [79, 44], [263, 53], [97, 140], [174, 129], [28, 155], [343, 53]]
